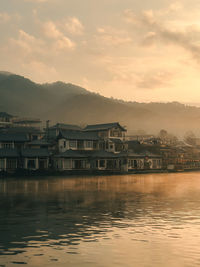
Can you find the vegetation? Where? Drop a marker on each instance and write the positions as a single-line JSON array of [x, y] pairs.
[[72, 104]]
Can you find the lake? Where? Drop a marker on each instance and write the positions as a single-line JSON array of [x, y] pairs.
[[123, 220]]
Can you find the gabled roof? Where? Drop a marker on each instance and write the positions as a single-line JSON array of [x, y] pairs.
[[5, 115], [13, 137], [78, 135], [40, 142], [64, 126], [105, 126], [32, 152], [8, 153]]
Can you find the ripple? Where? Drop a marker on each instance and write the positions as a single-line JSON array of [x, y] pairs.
[[19, 262]]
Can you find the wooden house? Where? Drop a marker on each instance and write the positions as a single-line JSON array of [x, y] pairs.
[[13, 140], [113, 135], [9, 159], [35, 159], [77, 140]]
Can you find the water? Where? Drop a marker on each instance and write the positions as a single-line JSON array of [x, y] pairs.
[[132, 220]]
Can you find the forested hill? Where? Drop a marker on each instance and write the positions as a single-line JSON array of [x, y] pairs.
[[64, 102]]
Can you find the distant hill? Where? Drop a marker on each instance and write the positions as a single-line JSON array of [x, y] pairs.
[[64, 102]]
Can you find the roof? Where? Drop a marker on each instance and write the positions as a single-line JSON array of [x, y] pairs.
[[105, 126], [40, 142], [33, 152], [13, 137], [116, 140], [5, 115], [66, 126], [104, 154], [151, 155], [87, 154], [135, 155], [78, 135], [8, 153], [72, 154], [139, 155], [28, 130]]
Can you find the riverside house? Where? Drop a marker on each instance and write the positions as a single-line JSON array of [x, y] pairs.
[[65, 147], [96, 147]]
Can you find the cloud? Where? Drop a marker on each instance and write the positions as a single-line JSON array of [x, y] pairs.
[[112, 37], [4, 17], [51, 31], [159, 32], [74, 26], [154, 80], [39, 71], [61, 41], [28, 44], [37, 1], [64, 43]]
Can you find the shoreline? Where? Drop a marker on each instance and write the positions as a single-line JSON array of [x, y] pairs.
[[71, 173]]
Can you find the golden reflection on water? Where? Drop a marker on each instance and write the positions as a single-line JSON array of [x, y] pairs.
[[131, 220]]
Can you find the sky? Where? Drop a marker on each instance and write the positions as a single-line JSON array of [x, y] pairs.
[[126, 49]]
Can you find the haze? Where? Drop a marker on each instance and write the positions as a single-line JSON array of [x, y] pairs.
[[127, 49]]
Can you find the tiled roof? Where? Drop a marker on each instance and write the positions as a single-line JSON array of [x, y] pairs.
[[105, 126], [87, 154], [5, 115], [66, 126], [13, 137], [27, 130], [151, 155], [140, 155], [32, 152], [8, 153], [79, 135], [40, 142], [72, 154], [104, 154]]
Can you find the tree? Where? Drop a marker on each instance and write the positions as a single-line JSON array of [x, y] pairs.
[[189, 138]]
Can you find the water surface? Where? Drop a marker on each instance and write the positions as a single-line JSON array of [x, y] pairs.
[[131, 220]]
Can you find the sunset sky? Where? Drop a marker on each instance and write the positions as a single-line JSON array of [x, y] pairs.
[[127, 49]]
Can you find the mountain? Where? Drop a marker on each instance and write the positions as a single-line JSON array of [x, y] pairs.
[[65, 102]]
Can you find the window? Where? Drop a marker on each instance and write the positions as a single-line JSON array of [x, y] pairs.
[[97, 164], [72, 144], [7, 145], [11, 164], [135, 163], [67, 164], [2, 164], [154, 164], [111, 146], [34, 137], [115, 133], [102, 163], [88, 144], [31, 164], [64, 144]]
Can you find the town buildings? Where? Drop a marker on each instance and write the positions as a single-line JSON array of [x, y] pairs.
[[98, 148]]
